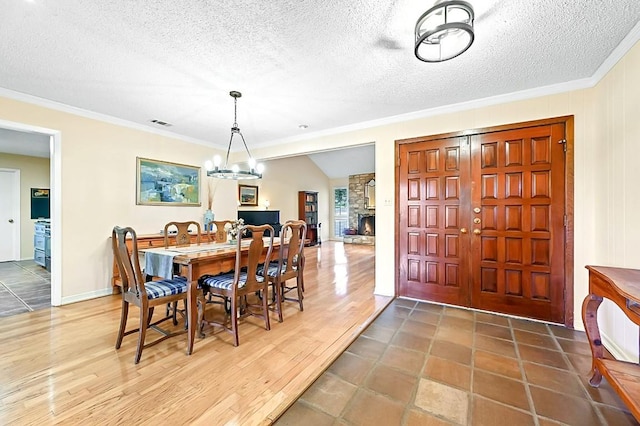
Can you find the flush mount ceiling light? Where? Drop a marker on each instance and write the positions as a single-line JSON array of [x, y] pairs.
[[444, 31], [214, 169]]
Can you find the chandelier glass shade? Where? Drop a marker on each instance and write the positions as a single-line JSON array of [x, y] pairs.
[[214, 169], [444, 31]]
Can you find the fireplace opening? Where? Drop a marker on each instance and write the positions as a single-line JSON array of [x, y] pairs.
[[367, 224]]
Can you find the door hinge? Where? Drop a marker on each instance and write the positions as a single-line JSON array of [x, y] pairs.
[[564, 144], [565, 220]]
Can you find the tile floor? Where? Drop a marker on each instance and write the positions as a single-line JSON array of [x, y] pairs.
[[426, 364], [24, 287]]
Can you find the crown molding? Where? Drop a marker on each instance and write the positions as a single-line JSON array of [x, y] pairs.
[[58, 106], [618, 53], [445, 109]]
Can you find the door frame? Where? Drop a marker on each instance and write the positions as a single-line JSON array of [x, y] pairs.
[[568, 122], [16, 247], [55, 183]]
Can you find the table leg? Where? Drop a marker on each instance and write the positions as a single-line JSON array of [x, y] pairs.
[[590, 307]]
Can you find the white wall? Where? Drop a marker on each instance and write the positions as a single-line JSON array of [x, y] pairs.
[[34, 173]]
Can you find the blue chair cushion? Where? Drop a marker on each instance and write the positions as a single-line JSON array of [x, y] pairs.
[[272, 271], [156, 289], [225, 281]]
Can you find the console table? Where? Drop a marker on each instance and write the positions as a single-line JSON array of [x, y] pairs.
[[621, 286]]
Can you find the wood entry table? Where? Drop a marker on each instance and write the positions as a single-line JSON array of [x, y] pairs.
[[621, 286], [214, 258]]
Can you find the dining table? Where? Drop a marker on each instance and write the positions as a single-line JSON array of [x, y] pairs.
[[194, 261]]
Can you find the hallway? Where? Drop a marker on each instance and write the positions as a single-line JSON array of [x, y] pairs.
[[24, 287]]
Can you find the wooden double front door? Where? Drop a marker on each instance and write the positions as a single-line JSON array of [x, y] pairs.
[[482, 220]]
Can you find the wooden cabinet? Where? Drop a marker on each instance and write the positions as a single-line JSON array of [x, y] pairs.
[[308, 211]]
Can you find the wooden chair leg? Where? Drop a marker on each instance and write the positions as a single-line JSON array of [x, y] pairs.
[[123, 323], [145, 318], [202, 304], [277, 288], [172, 309], [265, 306], [300, 289], [234, 321], [150, 316]]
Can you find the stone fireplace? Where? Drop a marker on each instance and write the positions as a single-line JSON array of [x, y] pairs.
[[362, 213]]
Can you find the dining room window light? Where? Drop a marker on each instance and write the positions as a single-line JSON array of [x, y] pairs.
[[340, 211]]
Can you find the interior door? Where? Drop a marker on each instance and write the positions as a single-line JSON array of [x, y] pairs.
[[433, 256], [481, 221], [518, 192], [9, 215]]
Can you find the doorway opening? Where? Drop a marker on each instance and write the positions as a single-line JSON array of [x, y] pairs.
[[55, 184]]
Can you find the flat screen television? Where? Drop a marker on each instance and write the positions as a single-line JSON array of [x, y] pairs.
[[259, 217]]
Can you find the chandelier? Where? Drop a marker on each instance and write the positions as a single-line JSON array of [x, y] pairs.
[[444, 31], [224, 172]]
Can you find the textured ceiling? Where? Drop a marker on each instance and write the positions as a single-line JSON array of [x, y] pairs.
[[325, 64], [347, 161]]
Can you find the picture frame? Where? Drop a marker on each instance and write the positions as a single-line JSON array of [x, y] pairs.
[[163, 183], [248, 195]]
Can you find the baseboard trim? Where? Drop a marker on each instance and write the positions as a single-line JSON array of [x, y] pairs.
[[618, 352], [86, 296]]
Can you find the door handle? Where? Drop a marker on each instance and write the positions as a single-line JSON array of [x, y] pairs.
[[477, 231], [10, 220], [463, 230]]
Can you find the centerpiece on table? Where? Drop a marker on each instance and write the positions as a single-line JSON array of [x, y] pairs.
[[233, 229], [208, 218]]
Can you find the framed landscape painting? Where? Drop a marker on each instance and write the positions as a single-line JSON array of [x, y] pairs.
[[161, 183], [248, 195]]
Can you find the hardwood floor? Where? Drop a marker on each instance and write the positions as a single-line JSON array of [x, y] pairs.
[[59, 365]]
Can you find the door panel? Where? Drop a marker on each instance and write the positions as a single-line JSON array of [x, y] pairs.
[[521, 222], [9, 215], [432, 259], [481, 221]]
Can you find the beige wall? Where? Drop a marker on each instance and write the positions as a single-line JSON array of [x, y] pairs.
[[98, 178], [612, 173], [280, 183], [34, 173]]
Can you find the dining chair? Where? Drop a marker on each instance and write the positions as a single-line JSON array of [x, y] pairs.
[[302, 259], [240, 284], [144, 295], [182, 235], [290, 265], [181, 238], [220, 235]]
